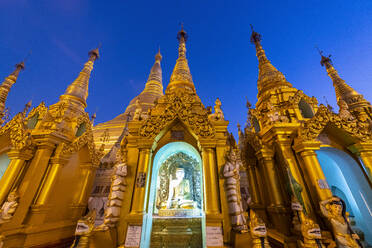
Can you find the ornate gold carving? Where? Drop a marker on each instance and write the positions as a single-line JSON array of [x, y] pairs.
[[18, 133], [296, 98], [85, 139], [184, 105], [313, 127], [41, 110]]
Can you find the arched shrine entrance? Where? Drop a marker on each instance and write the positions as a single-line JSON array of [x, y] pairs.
[[175, 215], [347, 181]]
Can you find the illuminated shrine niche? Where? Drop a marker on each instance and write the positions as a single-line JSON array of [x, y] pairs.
[[178, 189]]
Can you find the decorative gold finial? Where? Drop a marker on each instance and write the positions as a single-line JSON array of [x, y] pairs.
[[158, 56], [255, 37], [325, 60], [182, 35], [27, 107], [94, 54], [93, 117], [18, 67]]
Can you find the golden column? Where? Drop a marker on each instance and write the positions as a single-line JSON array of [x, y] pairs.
[[276, 209], [140, 189], [87, 178], [48, 186], [15, 167], [289, 157], [254, 191], [265, 155], [364, 151], [312, 168], [41, 206], [211, 198], [33, 178]]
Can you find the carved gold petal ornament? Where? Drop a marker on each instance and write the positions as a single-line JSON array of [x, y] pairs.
[[179, 104], [313, 127], [79, 143], [41, 110], [18, 133]]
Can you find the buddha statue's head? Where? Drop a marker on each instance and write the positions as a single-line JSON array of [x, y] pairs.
[[180, 173], [336, 206], [13, 196]]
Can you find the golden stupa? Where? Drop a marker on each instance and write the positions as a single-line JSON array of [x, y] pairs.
[[167, 173]]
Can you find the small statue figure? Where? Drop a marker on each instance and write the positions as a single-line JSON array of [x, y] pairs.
[[334, 210], [344, 112], [218, 114], [9, 207], [105, 137], [179, 192], [258, 231], [310, 232], [137, 111], [274, 115], [83, 230], [231, 174]]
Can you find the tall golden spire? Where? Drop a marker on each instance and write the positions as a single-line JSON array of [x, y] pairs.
[[7, 84], [343, 91], [154, 83], [268, 76], [78, 90], [181, 76]]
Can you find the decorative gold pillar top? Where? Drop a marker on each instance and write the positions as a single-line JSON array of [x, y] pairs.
[[269, 77], [181, 76], [343, 91], [7, 84], [78, 89]]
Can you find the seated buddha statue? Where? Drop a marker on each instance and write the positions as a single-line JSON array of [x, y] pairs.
[[179, 192]]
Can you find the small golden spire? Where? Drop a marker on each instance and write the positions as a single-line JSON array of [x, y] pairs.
[[78, 90], [268, 76], [7, 84], [181, 76], [27, 107], [343, 91], [156, 72]]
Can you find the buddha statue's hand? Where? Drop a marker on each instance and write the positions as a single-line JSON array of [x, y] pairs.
[[355, 236]]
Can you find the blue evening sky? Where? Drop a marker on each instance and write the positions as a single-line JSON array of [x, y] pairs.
[[221, 58]]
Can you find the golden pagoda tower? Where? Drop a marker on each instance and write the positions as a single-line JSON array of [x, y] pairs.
[[292, 148], [51, 166], [167, 169], [111, 133]]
